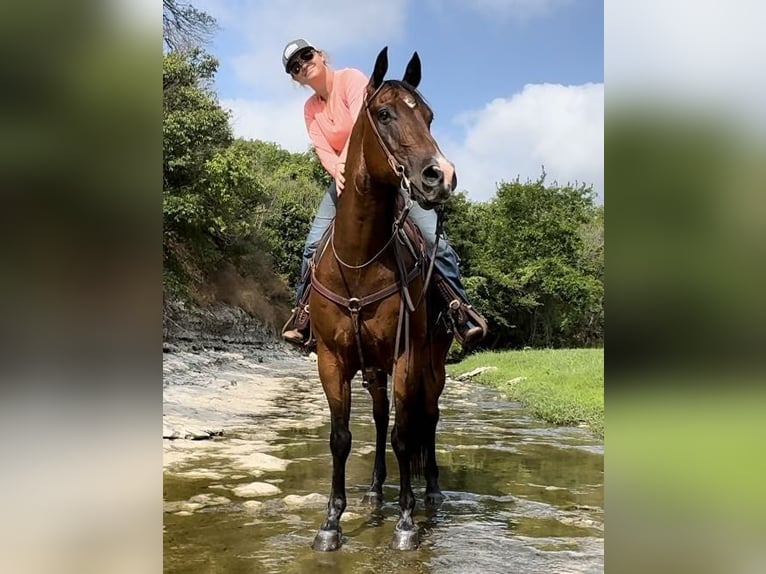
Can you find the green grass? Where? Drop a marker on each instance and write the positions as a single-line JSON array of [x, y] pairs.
[[562, 386]]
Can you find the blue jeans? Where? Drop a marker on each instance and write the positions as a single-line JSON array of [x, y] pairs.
[[447, 262]]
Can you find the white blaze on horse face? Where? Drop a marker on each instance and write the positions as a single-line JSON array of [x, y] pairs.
[[409, 100]]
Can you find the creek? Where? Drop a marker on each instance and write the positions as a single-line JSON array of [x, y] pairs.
[[247, 471]]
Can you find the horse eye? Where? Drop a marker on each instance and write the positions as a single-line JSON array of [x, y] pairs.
[[384, 115]]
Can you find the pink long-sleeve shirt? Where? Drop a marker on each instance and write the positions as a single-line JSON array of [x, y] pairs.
[[329, 123]]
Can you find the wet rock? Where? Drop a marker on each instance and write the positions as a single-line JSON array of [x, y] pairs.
[[209, 499], [189, 432], [581, 522], [181, 506], [548, 487], [256, 489], [260, 462], [308, 501], [294, 519], [252, 506], [478, 371], [201, 473]]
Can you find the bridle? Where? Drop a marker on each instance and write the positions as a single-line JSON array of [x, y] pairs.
[[405, 190], [405, 185], [354, 305]]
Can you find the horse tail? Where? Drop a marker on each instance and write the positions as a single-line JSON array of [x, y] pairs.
[[417, 447], [418, 459]]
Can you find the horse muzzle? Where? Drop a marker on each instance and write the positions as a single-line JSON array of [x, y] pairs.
[[435, 183]]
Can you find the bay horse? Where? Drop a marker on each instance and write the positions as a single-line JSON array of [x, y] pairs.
[[369, 309]]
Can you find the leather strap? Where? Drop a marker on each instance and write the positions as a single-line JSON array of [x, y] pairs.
[[356, 304]]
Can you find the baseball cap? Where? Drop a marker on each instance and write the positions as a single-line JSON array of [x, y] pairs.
[[293, 48]]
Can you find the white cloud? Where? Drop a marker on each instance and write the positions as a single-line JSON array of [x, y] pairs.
[[265, 27], [559, 127], [279, 121]]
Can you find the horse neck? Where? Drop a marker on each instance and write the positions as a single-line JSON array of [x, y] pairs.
[[364, 217]]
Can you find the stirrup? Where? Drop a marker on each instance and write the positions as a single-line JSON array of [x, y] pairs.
[[469, 326], [297, 329]]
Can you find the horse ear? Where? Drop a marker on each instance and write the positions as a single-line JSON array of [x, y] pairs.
[[412, 73], [381, 67]]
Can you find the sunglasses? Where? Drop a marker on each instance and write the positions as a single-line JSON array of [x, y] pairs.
[[305, 56]]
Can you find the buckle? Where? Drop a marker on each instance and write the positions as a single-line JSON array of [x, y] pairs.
[[353, 305]]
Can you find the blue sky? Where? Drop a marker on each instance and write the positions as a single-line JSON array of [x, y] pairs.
[[514, 84]]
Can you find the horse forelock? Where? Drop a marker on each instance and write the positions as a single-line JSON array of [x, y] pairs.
[[389, 85]]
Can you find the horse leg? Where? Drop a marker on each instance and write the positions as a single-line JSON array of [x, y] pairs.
[[405, 533], [433, 496], [380, 413], [338, 392], [433, 389]]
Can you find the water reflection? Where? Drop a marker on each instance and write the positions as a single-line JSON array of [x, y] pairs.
[[520, 496]]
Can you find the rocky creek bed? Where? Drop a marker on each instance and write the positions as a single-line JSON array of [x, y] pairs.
[[247, 472]]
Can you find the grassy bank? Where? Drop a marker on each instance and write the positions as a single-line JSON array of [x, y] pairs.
[[563, 387]]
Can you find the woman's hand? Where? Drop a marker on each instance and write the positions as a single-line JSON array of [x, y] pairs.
[[340, 177]]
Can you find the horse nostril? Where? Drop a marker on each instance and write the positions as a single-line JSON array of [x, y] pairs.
[[432, 175]]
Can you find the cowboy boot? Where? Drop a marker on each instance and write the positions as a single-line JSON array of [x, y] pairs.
[[468, 324], [297, 328]]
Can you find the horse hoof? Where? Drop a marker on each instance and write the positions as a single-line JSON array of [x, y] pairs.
[[433, 498], [405, 539], [373, 498], [327, 540]]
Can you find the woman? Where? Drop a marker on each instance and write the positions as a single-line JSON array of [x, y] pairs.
[[330, 113]]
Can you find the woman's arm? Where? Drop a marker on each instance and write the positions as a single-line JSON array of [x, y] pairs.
[[327, 155]]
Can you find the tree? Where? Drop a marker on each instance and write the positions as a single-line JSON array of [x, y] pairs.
[[462, 220], [184, 27], [533, 263], [294, 184], [210, 191]]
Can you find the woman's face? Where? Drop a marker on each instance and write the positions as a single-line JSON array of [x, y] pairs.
[[306, 65]]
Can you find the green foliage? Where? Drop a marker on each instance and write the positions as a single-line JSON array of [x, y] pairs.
[[533, 263], [462, 219], [562, 386], [210, 190], [294, 184]]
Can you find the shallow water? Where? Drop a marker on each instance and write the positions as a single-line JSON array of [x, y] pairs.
[[520, 496]]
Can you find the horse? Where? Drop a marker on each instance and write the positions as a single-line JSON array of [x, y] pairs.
[[369, 304]]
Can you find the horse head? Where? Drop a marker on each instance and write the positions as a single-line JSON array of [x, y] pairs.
[[401, 121]]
